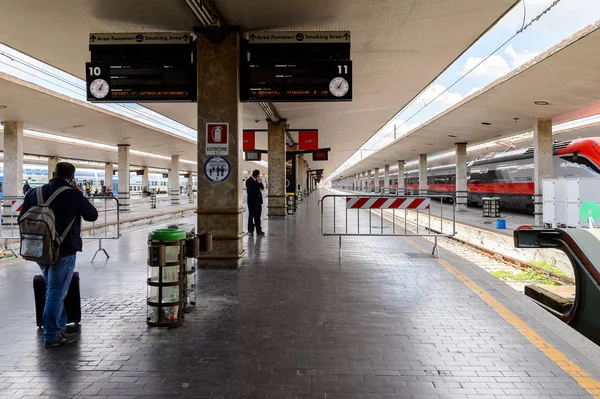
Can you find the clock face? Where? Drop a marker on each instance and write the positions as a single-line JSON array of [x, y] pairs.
[[99, 88], [339, 87]]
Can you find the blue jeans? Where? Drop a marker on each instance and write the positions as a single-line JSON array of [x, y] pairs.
[[57, 278]]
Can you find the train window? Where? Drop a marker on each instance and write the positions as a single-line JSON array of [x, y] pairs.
[[581, 160], [492, 176]]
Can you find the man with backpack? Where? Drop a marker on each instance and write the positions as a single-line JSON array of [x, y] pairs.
[[51, 236]]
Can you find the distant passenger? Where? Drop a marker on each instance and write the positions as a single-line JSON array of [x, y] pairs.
[[69, 207], [26, 188], [254, 189]]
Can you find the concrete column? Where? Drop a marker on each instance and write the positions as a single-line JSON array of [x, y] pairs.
[[123, 178], [376, 187], [108, 176], [369, 181], [400, 190], [190, 181], [543, 164], [145, 179], [174, 180], [386, 179], [423, 174], [52, 161], [13, 169], [220, 209], [297, 189], [461, 177], [277, 188]]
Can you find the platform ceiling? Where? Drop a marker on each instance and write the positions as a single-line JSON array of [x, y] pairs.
[[566, 77], [398, 48]]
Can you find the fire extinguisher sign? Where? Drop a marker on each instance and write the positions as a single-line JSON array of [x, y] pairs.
[[217, 138]]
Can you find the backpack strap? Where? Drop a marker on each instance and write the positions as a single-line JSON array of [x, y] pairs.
[[67, 229], [39, 195], [54, 194]]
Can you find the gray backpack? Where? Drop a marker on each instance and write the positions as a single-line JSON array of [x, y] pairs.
[[40, 241]]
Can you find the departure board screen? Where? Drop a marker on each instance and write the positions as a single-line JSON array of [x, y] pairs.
[[298, 82], [110, 82]]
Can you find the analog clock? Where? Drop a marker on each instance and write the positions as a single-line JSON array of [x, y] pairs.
[[339, 87], [99, 88]]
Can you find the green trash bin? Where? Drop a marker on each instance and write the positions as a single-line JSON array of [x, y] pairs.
[[165, 280]]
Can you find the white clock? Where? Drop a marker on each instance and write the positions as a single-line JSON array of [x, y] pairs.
[[99, 88], [339, 87]]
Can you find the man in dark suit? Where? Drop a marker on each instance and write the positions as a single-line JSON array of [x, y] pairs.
[[254, 189]]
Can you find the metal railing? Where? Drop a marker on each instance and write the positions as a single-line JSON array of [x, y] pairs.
[[101, 229], [356, 215]]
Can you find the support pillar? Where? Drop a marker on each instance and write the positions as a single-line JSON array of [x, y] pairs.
[[369, 181], [174, 180], [386, 179], [109, 171], [145, 179], [461, 177], [13, 169], [400, 189], [52, 161], [190, 182], [277, 189], [543, 164], [220, 209], [422, 174], [377, 187], [123, 178]]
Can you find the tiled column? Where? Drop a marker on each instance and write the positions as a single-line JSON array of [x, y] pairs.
[[422, 174], [123, 178], [400, 177], [220, 204], [461, 177], [109, 171], [52, 161], [145, 179], [174, 180], [277, 188], [13, 169], [386, 179], [543, 164], [376, 187]]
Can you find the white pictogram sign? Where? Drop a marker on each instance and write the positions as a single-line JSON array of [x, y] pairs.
[[217, 169]]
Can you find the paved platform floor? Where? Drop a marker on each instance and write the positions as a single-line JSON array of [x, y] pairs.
[[387, 321]]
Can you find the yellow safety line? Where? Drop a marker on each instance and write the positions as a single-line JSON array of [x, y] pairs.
[[584, 379]]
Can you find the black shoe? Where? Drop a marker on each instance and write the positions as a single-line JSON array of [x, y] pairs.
[[250, 233], [62, 339], [260, 233]]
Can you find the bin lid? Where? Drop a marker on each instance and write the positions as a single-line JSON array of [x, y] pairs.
[[189, 228], [495, 198], [167, 235]]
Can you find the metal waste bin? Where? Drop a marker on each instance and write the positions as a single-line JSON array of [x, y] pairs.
[[191, 252], [153, 201], [165, 280], [491, 207]]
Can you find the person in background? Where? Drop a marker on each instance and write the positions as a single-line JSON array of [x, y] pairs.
[[26, 188], [254, 189], [69, 207]]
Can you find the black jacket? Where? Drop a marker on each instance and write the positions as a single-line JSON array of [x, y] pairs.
[[254, 191], [68, 205]]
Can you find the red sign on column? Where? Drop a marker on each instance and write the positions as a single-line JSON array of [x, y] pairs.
[[217, 136], [308, 140], [249, 140]]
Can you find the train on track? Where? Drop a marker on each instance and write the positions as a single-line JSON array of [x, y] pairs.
[[509, 175], [37, 175]]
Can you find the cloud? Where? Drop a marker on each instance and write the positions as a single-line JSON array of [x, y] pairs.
[[445, 98], [473, 91], [518, 59], [492, 68], [497, 66]]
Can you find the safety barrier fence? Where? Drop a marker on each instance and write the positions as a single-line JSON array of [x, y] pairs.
[[106, 227], [380, 215]]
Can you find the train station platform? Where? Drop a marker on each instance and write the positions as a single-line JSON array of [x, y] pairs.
[[386, 320]]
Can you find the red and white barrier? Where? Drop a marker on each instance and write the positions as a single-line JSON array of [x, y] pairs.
[[387, 203]]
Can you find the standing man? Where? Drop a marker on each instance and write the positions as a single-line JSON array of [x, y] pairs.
[[254, 189], [68, 207]]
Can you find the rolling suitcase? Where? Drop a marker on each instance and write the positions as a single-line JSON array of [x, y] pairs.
[[72, 300]]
